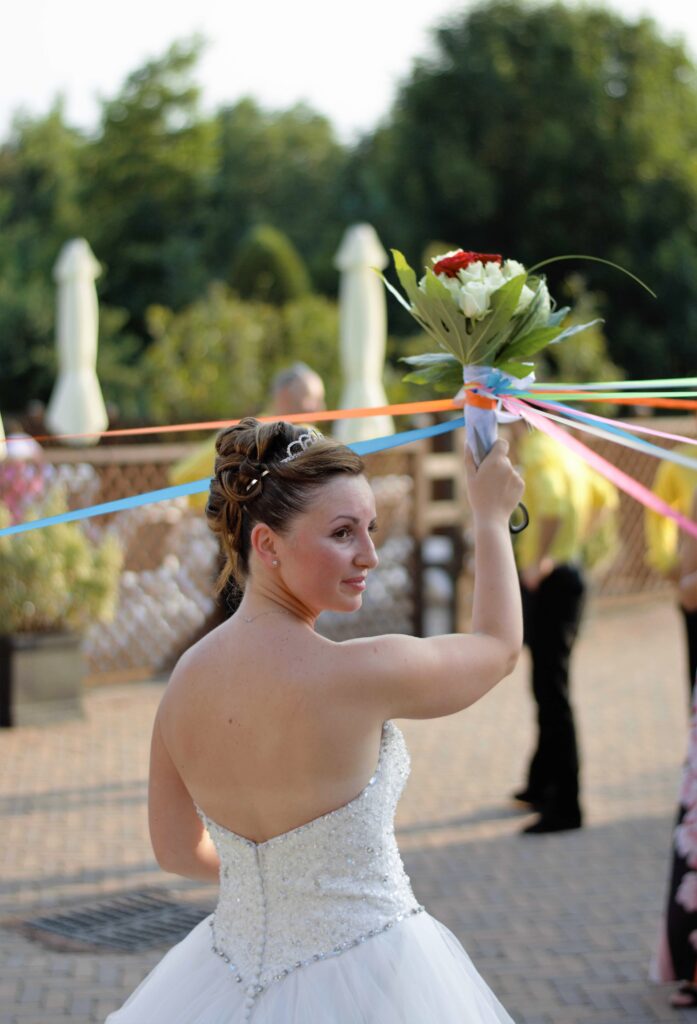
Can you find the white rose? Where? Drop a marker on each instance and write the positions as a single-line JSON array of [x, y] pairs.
[[544, 306], [474, 300], [474, 272], [494, 276], [526, 297], [451, 283], [512, 268]]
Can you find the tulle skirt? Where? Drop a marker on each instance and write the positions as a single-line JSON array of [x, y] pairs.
[[415, 973]]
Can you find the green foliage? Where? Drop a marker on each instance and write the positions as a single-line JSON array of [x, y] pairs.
[[268, 268], [165, 197], [118, 367], [310, 334], [216, 358], [533, 129], [282, 168], [56, 579], [145, 182], [206, 361], [38, 212]]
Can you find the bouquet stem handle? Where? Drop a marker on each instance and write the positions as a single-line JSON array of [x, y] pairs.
[[481, 431]]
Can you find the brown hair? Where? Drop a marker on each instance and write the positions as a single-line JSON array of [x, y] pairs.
[[251, 483]]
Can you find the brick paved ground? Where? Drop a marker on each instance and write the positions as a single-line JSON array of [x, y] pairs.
[[561, 926]]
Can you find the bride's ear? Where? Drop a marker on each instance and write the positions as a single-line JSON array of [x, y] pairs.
[[263, 542]]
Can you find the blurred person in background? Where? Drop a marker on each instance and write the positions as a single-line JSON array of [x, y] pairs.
[[23, 470], [676, 956], [572, 522], [295, 389], [675, 485]]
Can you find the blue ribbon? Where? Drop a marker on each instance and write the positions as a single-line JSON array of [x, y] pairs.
[[375, 444]]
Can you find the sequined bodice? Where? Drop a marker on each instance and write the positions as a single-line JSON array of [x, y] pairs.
[[318, 890]]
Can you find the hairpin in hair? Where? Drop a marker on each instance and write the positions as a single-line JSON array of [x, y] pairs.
[[256, 480], [302, 443]]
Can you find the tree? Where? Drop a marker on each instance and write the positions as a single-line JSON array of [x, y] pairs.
[[533, 132], [216, 358], [145, 186], [39, 211], [280, 168], [268, 267]]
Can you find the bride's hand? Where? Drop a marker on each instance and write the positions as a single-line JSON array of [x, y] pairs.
[[495, 487]]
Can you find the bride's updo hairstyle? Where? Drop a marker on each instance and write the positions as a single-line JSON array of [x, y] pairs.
[[254, 482]]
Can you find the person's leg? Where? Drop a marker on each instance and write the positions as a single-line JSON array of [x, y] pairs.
[[690, 620], [534, 790], [559, 608]]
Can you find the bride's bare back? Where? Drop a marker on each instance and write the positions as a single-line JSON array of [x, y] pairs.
[[265, 724], [263, 729]]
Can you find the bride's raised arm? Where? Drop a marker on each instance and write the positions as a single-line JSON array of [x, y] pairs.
[[410, 677]]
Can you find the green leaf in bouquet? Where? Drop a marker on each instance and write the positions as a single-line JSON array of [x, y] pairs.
[[516, 369], [442, 372], [535, 340], [557, 317], [425, 359], [436, 304], [407, 277], [425, 326], [531, 343], [576, 329], [426, 317], [486, 336], [593, 259], [398, 295]]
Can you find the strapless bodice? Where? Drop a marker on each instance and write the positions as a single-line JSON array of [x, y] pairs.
[[315, 891]]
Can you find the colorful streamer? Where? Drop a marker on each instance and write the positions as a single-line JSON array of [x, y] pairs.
[[610, 391], [618, 435], [376, 444], [615, 475], [543, 405]]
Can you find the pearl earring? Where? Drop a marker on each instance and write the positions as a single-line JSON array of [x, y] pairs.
[[275, 563]]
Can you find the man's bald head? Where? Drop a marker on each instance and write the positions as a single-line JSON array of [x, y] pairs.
[[297, 389]]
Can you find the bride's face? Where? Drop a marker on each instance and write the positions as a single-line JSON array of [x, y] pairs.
[[326, 554]]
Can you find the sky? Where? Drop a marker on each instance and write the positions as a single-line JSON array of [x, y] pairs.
[[344, 59]]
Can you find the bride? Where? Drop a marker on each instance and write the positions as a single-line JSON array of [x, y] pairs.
[[276, 767]]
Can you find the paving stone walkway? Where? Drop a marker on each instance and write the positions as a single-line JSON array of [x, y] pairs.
[[561, 926]]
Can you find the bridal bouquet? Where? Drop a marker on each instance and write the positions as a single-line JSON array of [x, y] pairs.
[[484, 313]]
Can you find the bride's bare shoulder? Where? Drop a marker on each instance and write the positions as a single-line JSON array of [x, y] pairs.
[[201, 662]]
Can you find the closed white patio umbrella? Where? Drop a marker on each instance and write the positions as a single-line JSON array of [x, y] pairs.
[[76, 405], [363, 332]]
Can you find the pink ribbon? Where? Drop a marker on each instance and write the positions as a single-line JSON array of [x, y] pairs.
[[616, 476], [634, 427]]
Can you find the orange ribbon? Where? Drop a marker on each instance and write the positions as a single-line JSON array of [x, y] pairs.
[[399, 409], [477, 400]]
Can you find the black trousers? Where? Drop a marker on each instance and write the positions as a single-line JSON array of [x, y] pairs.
[[691, 634], [551, 617]]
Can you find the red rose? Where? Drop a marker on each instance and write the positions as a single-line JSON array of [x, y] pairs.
[[450, 265]]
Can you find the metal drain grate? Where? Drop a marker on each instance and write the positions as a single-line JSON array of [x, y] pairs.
[[130, 922]]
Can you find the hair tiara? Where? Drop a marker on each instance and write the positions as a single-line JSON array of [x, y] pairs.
[[302, 443]]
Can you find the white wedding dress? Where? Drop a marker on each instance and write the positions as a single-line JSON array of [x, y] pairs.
[[319, 926]]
